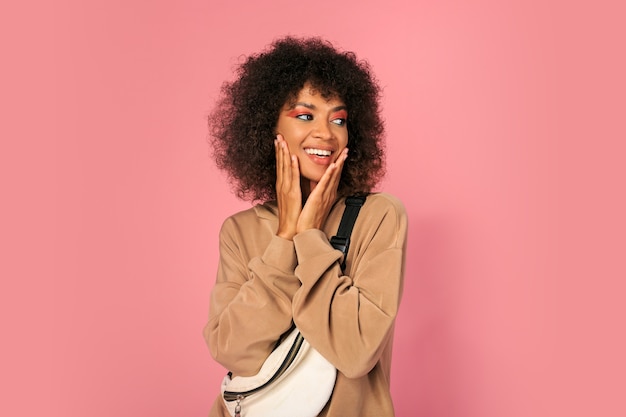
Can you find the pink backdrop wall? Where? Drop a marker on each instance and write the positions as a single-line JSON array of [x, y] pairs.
[[505, 122]]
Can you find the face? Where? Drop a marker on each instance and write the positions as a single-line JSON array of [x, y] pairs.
[[315, 129]]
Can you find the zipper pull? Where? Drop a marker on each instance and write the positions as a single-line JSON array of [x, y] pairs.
[[238, 406]]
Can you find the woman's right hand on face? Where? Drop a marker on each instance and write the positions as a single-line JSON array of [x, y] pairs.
[[288, 192]]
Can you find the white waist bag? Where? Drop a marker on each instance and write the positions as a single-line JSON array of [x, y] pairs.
[[295, 380]]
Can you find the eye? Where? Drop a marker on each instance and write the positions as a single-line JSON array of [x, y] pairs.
[[305, 116], [339, 121]]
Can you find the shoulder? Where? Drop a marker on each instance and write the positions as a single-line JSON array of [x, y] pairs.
[[384, 202], [383, 206], [381, 225], [384, 216], [249, 218], [382, 211]]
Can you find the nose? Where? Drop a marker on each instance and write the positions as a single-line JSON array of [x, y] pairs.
[[322, 130]]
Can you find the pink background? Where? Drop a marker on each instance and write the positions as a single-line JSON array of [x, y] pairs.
[[505, 142]]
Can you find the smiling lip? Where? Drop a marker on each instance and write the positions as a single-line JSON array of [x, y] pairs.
[[320, 156]]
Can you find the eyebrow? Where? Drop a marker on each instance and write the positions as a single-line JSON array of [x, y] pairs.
[[313, 107]]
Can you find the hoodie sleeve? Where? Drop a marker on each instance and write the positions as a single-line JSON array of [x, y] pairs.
[[250, 304], [349, 317]]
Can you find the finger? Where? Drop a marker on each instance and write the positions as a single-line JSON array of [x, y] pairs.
[[282, 171], [339, 164], [341, 155], [286, 164], [295, 171], [330, 179], [278, 156]]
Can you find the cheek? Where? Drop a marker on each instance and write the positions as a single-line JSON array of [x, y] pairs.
[[344, 139], [292, 135], [292, 131], [279, 126], [284, 126]]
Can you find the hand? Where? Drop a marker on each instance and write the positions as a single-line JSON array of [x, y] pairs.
[[288, 192], [323, 196]]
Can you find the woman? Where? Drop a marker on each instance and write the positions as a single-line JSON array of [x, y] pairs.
[[300, 129]]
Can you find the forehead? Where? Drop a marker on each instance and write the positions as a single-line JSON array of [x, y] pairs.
[[310, 95]]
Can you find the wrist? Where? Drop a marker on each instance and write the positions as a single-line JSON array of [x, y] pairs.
[[285, 235]]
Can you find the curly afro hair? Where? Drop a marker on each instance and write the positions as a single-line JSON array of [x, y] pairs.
[[242, 126]]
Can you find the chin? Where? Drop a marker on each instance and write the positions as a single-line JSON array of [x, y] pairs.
[[312, 178], [312, 174]]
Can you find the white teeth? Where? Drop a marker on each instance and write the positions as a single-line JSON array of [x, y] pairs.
[[318, 152]]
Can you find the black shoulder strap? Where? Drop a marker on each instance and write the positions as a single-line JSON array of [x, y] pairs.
[[341, 241]]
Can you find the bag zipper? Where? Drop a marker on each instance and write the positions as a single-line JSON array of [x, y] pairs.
[[291, 356]]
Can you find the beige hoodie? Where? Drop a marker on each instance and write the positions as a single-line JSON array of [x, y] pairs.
[[265, 282]]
